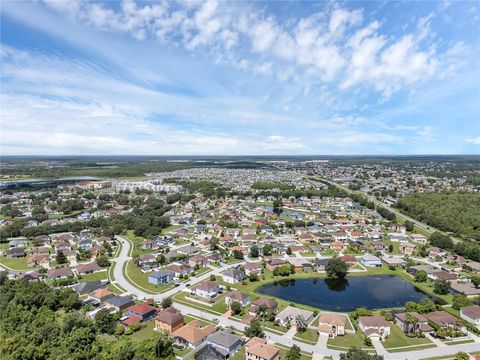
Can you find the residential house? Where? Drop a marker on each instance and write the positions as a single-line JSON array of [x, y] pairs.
[[207, 289], [233, 276], [101, 295], [192, 335], [60, 273], [39, 260], [161, 277], [169, 319], [337, 246], [407, 248], [258, 349], [88, 268], [16, 252], [223, 342], [199, 260], [119, 303], [290, 315], [269, 304], [252, 268], [434, 252], [471, 314], [147, 261], [238, 296], [421, 323], [331, 324], [144, 311], [274, 263], [88, 287], [374, 326], [370, 261], [444, 319]]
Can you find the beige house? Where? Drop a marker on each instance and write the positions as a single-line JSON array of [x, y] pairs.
[[258, 349], [374, 326], [331, 324]]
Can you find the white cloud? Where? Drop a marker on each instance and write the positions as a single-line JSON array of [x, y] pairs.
[[332, 45], [473, 140]]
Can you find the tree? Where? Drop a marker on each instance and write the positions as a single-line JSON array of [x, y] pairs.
[[254, 252], [289, 251], [254, 330], [267, 250], [476, 280], [301, 323], [212, 277], [161, 259], [462, 356], [293, 353], [358, 354], [164, 346], [441, 287], [236, 307], [336, 269], [441, 240], [410, 306], [460, 301], [410, 226], [421, 276], [411, 323], [390, 248], [277, 206], [61, 258], [106, 322], [237, 254], [103, 261], [166, 302]]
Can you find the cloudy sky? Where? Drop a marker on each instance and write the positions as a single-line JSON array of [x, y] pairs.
[[194, 78]]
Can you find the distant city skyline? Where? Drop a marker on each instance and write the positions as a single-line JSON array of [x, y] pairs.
[[234, 78]]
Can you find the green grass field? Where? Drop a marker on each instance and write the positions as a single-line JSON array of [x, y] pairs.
[[397, 339], [101, 275], [14, 263]]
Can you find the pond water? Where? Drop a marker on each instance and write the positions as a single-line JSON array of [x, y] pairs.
[[372, 292]]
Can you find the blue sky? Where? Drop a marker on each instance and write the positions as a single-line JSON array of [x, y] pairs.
[[233, 78]]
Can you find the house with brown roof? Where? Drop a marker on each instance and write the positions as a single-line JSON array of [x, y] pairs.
[[421, 324], [101, 295], [471, 314], [337, 246], [331, 324], [274, 263], [258, 349], [88, 268], [143, 310], [444, 319], [169, 319], [268, 304], [252, 268], [374, 326], [192, 335], [60, 273], [39, 260]]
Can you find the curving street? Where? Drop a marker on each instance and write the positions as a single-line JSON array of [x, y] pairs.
[[318, 351]]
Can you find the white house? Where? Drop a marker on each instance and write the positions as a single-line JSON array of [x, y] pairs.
[[471, 314], [370, 261], [207, 290], [238, 296], [233, 276]]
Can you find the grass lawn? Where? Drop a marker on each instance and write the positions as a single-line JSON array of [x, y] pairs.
[[414, 348], [309, 336], [137, 244], [144, 333], [180, 297], [220, 307], [114, 289], [202, 271], [101, 275], [346, 341], [283, 352], [397, 339], [467, 341], [239, 355], [140, 279], [14, 263], [171, 228]]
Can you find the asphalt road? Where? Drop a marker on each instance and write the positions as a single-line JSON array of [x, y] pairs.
[[318, 351]]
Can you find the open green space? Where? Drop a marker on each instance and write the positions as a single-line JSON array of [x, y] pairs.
[[309, 336], [101, 275], [347, 341], [14, 263], [398, 338], [135, 276]]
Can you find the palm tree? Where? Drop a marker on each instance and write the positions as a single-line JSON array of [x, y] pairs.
[[301, 323], [262, 311], [411, 322]]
